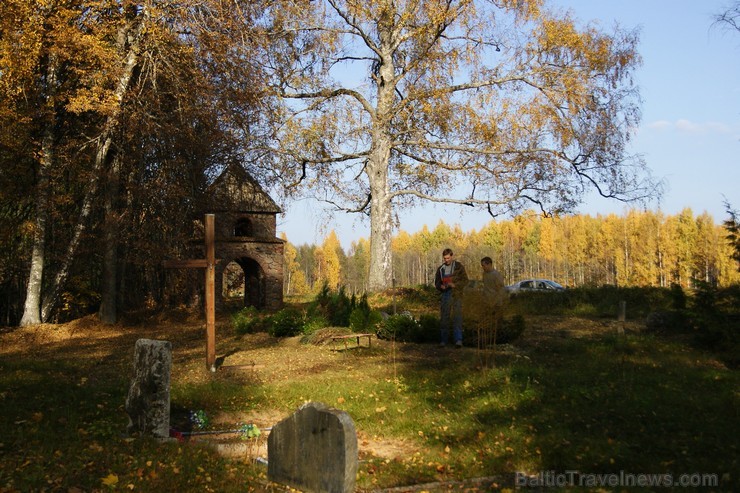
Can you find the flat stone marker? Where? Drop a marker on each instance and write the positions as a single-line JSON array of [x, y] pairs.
[[314, 450], [148, 400]]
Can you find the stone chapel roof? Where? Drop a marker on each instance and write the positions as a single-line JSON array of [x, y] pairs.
[[235, 190]]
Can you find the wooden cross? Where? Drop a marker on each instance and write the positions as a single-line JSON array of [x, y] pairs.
[[209, 263]]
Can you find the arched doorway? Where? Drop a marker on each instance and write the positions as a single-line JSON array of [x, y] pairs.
[[232, 287], [244, 278]]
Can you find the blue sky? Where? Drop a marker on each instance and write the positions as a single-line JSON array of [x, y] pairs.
[[689, 135]]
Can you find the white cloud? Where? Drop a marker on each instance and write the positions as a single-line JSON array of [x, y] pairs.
[[660, 124], [687, 126]]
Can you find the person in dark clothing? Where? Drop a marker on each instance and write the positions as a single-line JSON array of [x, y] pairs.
[[450, 280]]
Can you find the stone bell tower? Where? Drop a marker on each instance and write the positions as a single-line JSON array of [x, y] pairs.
[[251, 256]]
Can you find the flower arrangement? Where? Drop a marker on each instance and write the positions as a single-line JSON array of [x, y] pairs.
[[199, 419], [248, 431]]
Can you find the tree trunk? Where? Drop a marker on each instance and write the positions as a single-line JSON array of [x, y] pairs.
[[32, 308], [50, 300], [381, 259], [109, 294], [381, 225], [381, 212], [129, 38]]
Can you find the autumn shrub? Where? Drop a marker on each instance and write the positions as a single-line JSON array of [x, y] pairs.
[[509, 329]]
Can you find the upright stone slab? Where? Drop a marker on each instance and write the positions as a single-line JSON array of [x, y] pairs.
[[148, 400], [314, 450]]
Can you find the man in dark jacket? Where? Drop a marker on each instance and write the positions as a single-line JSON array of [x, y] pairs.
[[451, 280]]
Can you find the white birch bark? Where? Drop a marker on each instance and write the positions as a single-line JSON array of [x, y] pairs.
[[132, 36], [32, 307]]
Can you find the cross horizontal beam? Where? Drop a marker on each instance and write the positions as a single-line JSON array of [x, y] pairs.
[[209, 264], [198, 263]]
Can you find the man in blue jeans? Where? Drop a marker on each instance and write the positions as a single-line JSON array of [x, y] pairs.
[[450, 280]]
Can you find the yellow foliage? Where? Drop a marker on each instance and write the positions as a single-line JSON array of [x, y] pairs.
[[110, 480]]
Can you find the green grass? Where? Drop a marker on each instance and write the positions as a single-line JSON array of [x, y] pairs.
[[601, 405], [595, 403]]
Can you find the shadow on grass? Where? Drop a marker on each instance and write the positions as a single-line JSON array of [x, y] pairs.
[[607, 404], [598, 404]]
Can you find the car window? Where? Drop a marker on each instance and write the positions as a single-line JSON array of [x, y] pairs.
[[526, 284]]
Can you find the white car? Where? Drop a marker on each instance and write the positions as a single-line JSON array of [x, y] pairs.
[[539, 285]]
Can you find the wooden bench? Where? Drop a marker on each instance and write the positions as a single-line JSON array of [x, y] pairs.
[[345, 337]]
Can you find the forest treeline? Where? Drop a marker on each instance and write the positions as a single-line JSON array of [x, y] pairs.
[[117, 117], [638, 248]]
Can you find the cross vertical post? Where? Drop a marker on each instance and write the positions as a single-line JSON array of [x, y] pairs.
[[210, 293], [209, 263]]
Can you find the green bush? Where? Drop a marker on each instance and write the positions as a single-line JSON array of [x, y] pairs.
[[678, 297], [314, 323], [511, 329], [336, 307], [428, 328], [595, 302], [286, 323], [400, 328], [363, 318], [247, 321], [667, 321], [715, 322]]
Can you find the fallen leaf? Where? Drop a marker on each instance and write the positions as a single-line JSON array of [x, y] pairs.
[[110, 480]]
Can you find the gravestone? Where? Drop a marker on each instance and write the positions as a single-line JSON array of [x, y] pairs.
[[148, 400], [314, 450]]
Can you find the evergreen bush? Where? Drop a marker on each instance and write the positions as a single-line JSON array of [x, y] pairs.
[[314, 323], [400, 328], [363, 318], [428, 328], [286, 323], [510, 330], [336, 307], [247, 321]]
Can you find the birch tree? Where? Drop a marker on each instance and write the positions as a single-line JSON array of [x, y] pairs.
[[112, 96], [492, 104], [44, 49]]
